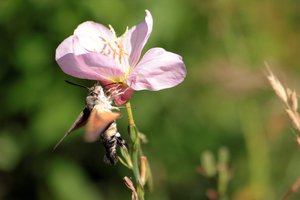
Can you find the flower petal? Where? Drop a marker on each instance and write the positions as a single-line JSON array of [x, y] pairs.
[[75, 61], [158, 69], [92, 29], [137, 37], [92, 36], [64, 48]]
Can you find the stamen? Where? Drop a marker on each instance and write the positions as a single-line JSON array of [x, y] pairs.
[[121, 51], [115, 91], [113, 50], [112, 30], [114, 46], [125, 33], [103, 50]]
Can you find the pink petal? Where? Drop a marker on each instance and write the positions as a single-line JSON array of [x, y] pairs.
[[137, 37], [75, 61], [92, 35], [92, 29], [158, 69], [64, 48]]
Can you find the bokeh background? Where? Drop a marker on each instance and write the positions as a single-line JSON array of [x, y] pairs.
[[225, 100]]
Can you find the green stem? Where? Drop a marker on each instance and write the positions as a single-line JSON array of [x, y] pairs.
[[223, 177], [135, 154]]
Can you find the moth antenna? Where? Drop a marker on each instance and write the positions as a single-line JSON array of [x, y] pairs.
[[71, 83]]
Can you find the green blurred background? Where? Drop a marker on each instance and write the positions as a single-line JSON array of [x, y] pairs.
[[225, 100]]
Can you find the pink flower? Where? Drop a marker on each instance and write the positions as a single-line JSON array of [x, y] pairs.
[[95, 52]]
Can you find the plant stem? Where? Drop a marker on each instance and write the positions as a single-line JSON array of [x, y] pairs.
[[135, 154]]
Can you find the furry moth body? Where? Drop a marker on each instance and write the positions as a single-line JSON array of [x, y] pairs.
[[101, 122]]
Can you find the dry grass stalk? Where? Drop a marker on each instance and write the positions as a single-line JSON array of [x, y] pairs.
[[278, 87], [294, 117], [290, 100], [288, 97]]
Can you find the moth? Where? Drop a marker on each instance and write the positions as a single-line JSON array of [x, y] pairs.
[[100, 120]]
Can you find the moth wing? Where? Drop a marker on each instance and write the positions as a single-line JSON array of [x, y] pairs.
[[80, 121], [99, 122]]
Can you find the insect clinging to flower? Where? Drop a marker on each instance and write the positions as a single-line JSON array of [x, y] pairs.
[[101, 121]]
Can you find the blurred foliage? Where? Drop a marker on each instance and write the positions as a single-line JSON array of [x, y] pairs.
[[224, 101]]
